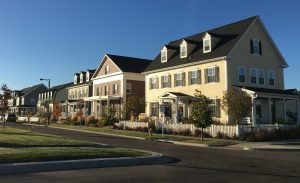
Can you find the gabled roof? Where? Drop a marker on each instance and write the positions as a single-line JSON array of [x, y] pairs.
[[62, 86], [229, 35], [29, 90], [129, 64]]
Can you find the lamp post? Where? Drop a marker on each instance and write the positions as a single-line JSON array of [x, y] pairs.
[[48, 115]]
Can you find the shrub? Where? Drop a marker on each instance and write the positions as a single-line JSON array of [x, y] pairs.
[[91, 121], [197, 133], [74, 118], [152, 126], [220, 135]]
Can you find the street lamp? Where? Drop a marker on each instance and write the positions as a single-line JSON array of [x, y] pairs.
[[48, 106]]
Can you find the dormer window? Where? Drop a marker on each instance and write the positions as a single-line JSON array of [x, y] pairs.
[[206, 45], [75, 79], [164, 55], [183, 50], [107, 69], [255, 47], [87, 76], [81, 78]]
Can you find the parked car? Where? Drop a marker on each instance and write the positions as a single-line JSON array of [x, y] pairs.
[[10, 118]]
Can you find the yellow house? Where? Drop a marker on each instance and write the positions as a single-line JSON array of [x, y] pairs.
[[241, 55]]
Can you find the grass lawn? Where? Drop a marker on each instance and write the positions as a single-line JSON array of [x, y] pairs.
[[26, 146], [188, 139]]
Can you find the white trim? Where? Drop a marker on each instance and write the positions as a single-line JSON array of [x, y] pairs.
[[186, 65], [183, 44], [164, 50], [238, 76], [108, 79], [105, 57], [204, 40]]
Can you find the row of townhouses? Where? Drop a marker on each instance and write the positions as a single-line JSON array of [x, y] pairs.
[[241, 55]]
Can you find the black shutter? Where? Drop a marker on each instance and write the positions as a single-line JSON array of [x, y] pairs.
[[174, 80], [162, 82], [183, 79], [206, 75], [150, 83], [260, 48], [217, 74], [169, 80], [199, 76], [218, 108], [157, 83], [251, 46], [189, 77]]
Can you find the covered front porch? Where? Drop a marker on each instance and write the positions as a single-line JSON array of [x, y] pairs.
[[99, 104], [271, 106], [175, 107]]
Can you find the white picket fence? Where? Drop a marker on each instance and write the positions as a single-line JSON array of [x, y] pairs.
[[213, 130], [25, 119]]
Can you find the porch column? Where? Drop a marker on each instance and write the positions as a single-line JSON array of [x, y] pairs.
[[270, 108], [253, 111], [284, 110], [100, 108], [176, 110]]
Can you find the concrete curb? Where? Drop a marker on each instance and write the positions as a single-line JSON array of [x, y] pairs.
[[270, 149], [16, 168], [182, 143]]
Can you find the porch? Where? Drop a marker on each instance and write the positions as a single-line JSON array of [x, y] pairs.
[[271, 106]]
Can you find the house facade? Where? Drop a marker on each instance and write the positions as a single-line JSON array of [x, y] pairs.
[[57, 94], [117, 78], [81, 88], [24, 102], [240, 55]]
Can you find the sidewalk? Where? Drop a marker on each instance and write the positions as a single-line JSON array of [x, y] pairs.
[[288, 145]]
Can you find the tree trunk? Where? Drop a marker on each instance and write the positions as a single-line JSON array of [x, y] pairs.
[[201, 133]]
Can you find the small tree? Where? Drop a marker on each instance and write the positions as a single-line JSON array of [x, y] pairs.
[[56, 111], [201, 112], [237, 104], [4, 101], [135, 105], [110, 114]]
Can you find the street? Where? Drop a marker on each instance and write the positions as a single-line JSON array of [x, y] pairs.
[[194, 164]]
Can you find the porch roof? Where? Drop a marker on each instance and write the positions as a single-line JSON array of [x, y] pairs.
[[293, 92], [176, 95]]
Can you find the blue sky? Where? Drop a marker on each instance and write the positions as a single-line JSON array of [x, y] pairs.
[[56, 38]]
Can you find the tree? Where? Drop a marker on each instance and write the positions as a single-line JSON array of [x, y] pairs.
[[201, 112], [237, 104], [56, 111], [135, 105], [4, 100], [110, 114]]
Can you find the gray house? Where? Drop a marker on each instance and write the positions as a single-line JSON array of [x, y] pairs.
[[24, 102]]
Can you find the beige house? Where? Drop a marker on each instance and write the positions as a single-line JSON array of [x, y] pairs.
[[116, 78], [241, 55], [81, 88]]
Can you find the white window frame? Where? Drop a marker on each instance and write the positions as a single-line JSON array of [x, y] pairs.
[[196, 76], [255, 46], [179, 78], [115, 89], [81, 78], [209, 44], [256, 76], [164, 55], [183, 49], [269, 74], [212, 74], [87, 77], [165, 81], [153, 82], [128, 88], [239, 74], [263, 76], [75, 79], [105, 90]]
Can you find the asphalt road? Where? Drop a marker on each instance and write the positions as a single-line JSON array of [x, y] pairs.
[[194, 164]]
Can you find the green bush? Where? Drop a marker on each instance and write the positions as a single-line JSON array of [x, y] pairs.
[[91, 121]]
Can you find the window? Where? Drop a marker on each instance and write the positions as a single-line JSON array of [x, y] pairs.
[[212, 75], [261, 76], [271, 78], [105, 90], [115, 89], [153, 83], [75, 79], [194, 77], [253, 76], [154, 109], [128, 88], [98, 91], [87, 76], [183, 50], [206, 45], [179, 79], [81, 78], [215, 106], [166, 81], [164, 55], [255, 47], [106, 69], [242, 75]]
